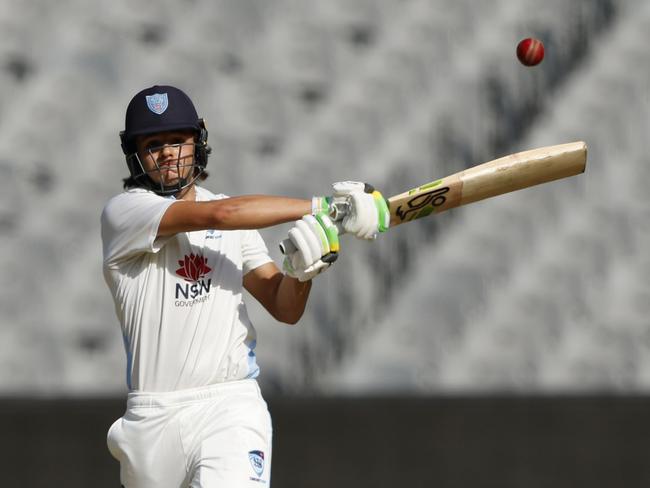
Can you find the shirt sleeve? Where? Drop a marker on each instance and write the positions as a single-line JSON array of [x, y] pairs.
[[130, 223], [254, 251]]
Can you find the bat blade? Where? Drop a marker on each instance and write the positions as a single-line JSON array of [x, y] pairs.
[[503, 175]]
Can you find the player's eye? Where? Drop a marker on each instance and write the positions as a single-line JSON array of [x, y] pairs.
[[153, 144]]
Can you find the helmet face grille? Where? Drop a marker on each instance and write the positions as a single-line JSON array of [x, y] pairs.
[[153, 179]]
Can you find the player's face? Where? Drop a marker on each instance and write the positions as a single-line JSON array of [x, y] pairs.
[[167, 156]]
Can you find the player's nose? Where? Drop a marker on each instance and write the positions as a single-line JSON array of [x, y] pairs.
[[168, 149]]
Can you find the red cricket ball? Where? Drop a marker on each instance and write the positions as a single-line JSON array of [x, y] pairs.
[[530, 51]]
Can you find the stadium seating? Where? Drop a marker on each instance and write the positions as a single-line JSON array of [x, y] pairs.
[[555, 320], [525, 292]]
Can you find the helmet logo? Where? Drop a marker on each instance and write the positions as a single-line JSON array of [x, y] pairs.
[[157, 102]]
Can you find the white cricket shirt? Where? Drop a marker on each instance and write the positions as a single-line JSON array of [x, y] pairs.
[[179, 298]]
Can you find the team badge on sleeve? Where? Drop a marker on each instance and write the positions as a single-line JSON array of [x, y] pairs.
[[257, 461], [157, 102]]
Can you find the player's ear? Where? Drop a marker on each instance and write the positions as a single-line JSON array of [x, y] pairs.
[[123, 142], [202, 144], [203, 136]]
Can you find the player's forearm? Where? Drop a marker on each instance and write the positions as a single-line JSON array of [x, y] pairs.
[[257, 211], [243, 212], [291, 299]]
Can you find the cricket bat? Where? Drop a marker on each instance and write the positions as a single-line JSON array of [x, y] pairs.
[[504, 175]]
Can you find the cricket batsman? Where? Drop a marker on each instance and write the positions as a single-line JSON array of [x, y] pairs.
[[176, 258]]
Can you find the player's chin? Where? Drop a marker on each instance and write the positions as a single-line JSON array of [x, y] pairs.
[[171, 181], [169, 175], [172, 178]]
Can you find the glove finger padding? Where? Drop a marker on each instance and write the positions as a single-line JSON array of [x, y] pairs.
[[337, 205], [294, 266], [363, 219], [357, 208], [317, 268], [315, 239], [308, 244], [342, 188]]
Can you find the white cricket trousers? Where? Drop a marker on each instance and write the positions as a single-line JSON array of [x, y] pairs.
[[213, 437]]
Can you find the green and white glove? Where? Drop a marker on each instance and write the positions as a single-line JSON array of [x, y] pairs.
[[311, 248], [356, 207]]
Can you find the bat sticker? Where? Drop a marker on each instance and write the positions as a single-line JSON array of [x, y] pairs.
[[423, 204]]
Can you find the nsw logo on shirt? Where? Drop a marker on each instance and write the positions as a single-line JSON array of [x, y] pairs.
[[195, 287]]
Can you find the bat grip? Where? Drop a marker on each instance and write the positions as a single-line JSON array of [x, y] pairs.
[[287, 247], [341, 208]]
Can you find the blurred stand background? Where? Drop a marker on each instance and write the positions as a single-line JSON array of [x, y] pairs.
[[531, 306]]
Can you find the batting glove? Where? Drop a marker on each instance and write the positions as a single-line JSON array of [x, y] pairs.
[[311, 248], [357, 208]]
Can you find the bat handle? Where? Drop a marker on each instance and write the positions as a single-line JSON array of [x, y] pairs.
[[342, 208], [287, 247], [339, 210]]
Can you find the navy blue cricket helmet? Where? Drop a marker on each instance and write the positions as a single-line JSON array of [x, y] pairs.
[[162, 108]]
